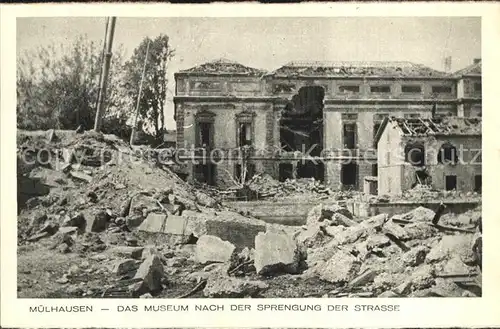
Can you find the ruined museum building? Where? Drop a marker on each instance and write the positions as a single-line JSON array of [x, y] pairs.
[[329, 111]]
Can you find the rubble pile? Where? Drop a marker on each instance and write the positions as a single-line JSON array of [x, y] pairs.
[[139, 227], [109, 227], [425, 193], [406, 255], [269, 188]]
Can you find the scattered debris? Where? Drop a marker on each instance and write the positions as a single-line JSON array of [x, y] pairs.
[[119, 223]]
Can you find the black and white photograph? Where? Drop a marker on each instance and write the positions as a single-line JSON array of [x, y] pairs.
[[249, 157]]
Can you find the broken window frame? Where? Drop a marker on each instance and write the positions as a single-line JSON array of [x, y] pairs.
[[201, 118], [446, 158], [245, 118], [410, 147], [354, 124]]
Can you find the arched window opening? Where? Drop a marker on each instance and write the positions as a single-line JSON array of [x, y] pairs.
[[448, 154], [415, 154]]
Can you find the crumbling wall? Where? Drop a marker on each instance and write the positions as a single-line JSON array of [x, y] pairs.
[[364, 170], [365, 130], [407, 177], [465, 170], [390, 157], [332, 174], [332, 129]]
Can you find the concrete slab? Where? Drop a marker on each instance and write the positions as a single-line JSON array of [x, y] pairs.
[[154, 223], [176, 225]]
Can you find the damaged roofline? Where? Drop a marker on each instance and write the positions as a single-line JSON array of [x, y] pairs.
[[215, 74], [265, 75], [357, 77]]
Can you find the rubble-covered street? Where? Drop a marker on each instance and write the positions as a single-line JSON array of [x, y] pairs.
[[94, 225]]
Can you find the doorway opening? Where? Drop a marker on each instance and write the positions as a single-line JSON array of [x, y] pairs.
[[349, 176]]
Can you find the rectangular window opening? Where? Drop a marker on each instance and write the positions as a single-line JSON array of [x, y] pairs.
[[349, 135], [374, 169], [478, 87], [441, 90], [349, 89], [349, 175], [380, 89], [205, 134], [411, 89], [451, 182], [245, 134]]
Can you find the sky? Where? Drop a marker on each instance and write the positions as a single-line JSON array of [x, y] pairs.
[[270, 42]]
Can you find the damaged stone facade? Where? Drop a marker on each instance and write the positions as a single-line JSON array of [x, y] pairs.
[[442, 153], [329, 111]]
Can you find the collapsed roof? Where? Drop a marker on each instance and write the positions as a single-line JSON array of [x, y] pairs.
[[223, 66], [361, 68], [445, 126], [388, 69]]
